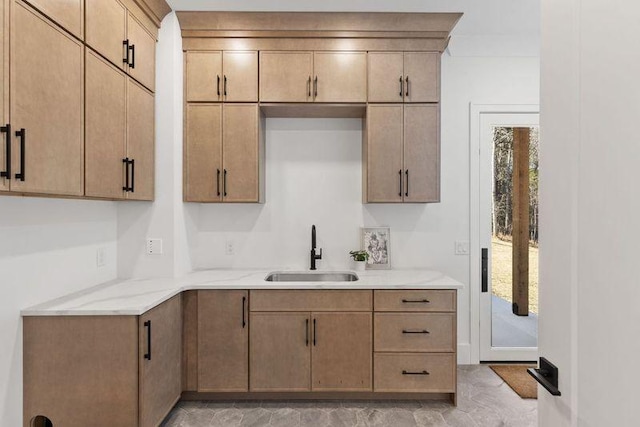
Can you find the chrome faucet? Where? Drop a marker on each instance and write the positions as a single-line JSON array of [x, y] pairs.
[[314, 256]]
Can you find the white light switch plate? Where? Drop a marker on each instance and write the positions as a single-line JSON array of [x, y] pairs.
[[101, 257], [230, 247], [462, 247], [154, 246]]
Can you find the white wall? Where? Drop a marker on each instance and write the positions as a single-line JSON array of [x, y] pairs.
[[48, 248]]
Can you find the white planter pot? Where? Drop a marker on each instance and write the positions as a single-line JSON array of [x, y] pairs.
[[359, 265]]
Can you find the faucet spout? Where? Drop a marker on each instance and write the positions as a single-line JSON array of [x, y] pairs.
[[314, 255]]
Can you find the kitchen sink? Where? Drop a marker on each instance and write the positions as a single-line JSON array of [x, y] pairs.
[[309, 276]]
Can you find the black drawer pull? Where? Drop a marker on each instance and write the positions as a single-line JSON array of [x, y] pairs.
[[416, 301], [218, 85], [400, 180], [132, 48], [7, 131], [406, 331], [147, 325], [125, 162], [415, 373], [306, 332], [132, 162], [315, 87], [224, 184], [309, 87], [407, 87], [218, 182], [244, 302], [406, 193], [401, 87], [225, 85], [22, 134], [314, 332]]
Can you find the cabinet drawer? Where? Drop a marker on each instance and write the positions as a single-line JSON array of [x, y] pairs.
[[414, 332], [419, 373], [431, 300], [304, 300]]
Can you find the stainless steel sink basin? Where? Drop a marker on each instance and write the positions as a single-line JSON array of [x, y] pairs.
[[310, 276]]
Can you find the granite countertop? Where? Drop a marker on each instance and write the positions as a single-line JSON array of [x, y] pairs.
[[136, 296]]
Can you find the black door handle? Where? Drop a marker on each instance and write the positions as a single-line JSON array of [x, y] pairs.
[[419, 301], [7, 131], [22, 134], [309, 87], [415, 373], [314, 332], [407, 87], [132, 48], [244, 301], [306, 332], [125, 44], [125, 162], [401, 87], [407, 189], [132, 162], [315, 87], [218, 182], [407, 331], [400, 180], [485, 270], [147, 325], [225, 85], [224, 183], [218, 85]]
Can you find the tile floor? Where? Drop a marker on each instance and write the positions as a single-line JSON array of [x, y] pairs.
[[484, 400]]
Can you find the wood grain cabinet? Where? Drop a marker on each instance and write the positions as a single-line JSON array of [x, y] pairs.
[[69, 14], [229, 76], [5, 128], [224, 151], [286, 76], [340, 76], [119, 134], [106, 370], [404, 77], [402, 153]]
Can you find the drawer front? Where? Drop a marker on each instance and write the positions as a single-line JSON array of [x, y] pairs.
[[418, 373], [431, 300], [305, 300], [433, 332]]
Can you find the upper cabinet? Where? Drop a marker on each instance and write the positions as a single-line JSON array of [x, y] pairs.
[[66, 13], [404, 77], [340, 77], [286, 76], [141, 57], [227, 76], [5, 128]]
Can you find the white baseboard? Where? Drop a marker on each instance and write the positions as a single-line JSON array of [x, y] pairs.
[[464, 354]]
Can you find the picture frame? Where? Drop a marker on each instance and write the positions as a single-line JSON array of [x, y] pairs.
[[377, 242]]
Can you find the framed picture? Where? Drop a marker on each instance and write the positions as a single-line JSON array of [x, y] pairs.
[[376, 242]]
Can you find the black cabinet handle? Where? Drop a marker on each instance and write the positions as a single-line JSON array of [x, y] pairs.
[[315, 87], [224, 183], [132, 48], [407, 86], [7, 131], [306, 324], [225, 85], [22, 134], [309, 87], [218, 85], [125, 44], [132, 162], [407, 331], [125, 162], [400, 180], [415, 373], [244, 322], [315, 333], [407, 189], [401, 87], [417, 301], [485, 270], [147, 325], [218, 182]]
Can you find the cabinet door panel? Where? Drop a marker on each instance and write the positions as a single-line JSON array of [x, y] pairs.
[[143, 58], [286, 76], [421, 153], [203, 76], [160, 365], [66, 13], [107, 29], [341, 352], [105, 131], [203, 153], [223, 341], [384, 153], [240, 153], [342, 76], [240, 80], [280, 359], [423, 71], [4, 90], [141, 140], [47, 100], [385, 75]]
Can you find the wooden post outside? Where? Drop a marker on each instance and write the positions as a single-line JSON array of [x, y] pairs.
[[520, 281]]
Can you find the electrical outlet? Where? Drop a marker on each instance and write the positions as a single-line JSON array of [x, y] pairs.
[[101, 257], [154, 246], [230, 247], [462, 247]]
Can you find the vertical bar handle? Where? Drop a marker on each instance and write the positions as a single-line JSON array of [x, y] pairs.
[[306, 332], [315, 87], [125, 45], [7, 131], [224, 183], [22, 134], [244, 322], [218, 182], [218, 85], [407, 86], [225, 85], [400, 181], [401, 87], [407, 189], [309, 87], [132, 162], [315, 333], [125, 162], [132, 48], [147, 325], [485, 270]]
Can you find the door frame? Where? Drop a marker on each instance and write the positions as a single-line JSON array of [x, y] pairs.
[[475, 115]]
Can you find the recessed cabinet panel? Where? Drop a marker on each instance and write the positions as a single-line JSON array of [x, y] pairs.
[[341, 76], [47, 101], [204, 76], [105, 130], [240, 153], [422, 76], [66, 13], [107, 29], [142, 55], [421, 153], [140, 141], [385, 178], [203, 153], [240, 80], [386, 77], [4, 93], [286, 76]]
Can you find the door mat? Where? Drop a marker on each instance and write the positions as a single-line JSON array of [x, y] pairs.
[[518, 379]]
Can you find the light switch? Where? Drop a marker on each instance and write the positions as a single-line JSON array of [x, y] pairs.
[[154, 246], [101, 257]]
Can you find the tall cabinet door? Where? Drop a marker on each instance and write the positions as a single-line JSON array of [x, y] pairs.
[[422, 76], [105, 131], [47, 101], [160, 361], [386, 74], [240, 153], [286, 76], [140, 141], [223, 341], [203, 153], [107, 29], [341, 352], [421, 153], [5, 135], [280, 359], [383, 151], [203, 76], [341, 76], [66, 13], [142, 61], [240, 80]]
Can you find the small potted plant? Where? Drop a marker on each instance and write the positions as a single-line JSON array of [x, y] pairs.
[[359, 259]]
